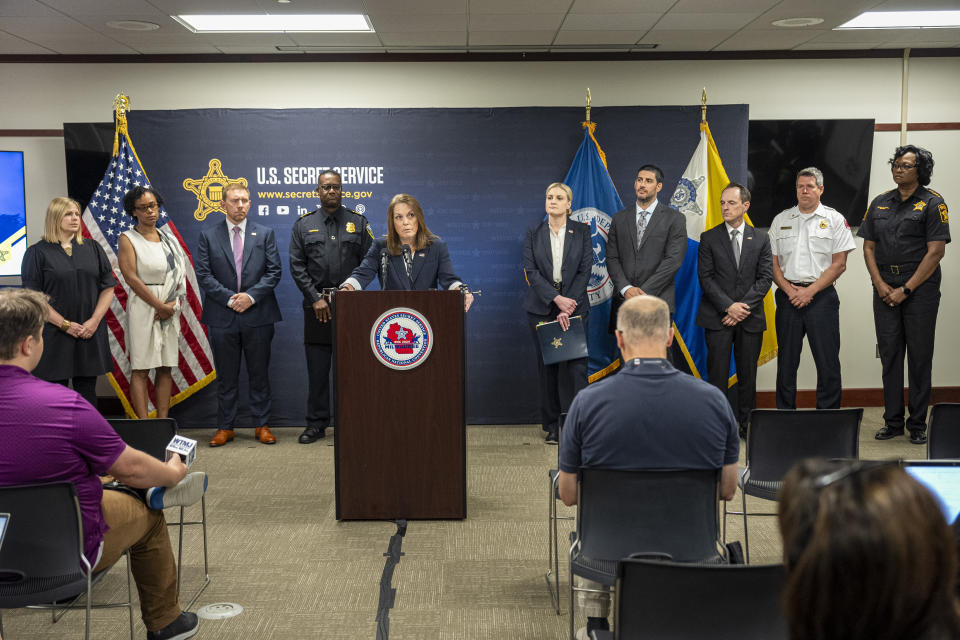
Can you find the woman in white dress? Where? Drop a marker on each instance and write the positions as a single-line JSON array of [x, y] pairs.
[[153, 265]]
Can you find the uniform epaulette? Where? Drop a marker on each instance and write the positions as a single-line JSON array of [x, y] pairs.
[[308, 213], [934, 192]]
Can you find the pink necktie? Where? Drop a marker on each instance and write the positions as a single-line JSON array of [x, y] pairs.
[[237, 253]]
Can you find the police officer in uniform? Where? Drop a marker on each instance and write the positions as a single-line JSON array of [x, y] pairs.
[[905, 232], [325, 247], [810, 243]]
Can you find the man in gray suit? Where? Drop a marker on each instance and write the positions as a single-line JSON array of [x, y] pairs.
[[736, 270], [645, 247]]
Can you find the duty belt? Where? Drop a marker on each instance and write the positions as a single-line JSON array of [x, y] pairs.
[[800, 284], [897, 269]]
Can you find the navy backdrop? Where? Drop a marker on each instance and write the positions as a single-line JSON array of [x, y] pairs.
[[480, 175]]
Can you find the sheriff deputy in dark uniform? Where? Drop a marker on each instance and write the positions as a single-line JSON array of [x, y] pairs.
[[325, 247], [905, 232]]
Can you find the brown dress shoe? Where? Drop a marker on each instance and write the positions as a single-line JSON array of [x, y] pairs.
[[222, 437], [263, 435]]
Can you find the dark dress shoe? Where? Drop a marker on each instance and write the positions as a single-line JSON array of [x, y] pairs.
[[311, 434], [918, 437], [263, 435], [222, 437], [551, 437], [889, 432], [742, 431]]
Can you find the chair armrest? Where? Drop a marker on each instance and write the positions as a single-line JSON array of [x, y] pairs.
[[601, 635]]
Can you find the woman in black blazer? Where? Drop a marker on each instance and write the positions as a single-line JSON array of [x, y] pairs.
[[557, 293], [408, 240]]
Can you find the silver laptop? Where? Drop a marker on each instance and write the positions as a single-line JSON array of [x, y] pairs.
[[4, 521], [942, 478]]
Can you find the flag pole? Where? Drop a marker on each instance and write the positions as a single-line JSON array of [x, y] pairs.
[[588, 104], [703, 105], [121, 104]]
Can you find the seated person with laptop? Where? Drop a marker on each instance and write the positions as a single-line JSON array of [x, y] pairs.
[[49, 433]]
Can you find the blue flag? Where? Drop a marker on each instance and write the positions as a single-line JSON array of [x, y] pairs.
[[595, 200]]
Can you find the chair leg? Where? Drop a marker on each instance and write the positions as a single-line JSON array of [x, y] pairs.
[[206, 563], [180, 550], [86, 624], [746, 536], [130, 593], [553, 551], [724, 523]]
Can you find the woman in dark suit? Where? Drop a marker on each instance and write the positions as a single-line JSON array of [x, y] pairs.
[[411, 257], [557, 258], [77, 276]]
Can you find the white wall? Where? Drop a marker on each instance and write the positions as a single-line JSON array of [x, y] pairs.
[[44, 96]]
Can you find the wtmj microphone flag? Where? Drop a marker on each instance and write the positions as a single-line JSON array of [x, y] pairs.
[[595, 200]]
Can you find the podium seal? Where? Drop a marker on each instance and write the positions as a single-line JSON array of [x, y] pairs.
[[401, 338]]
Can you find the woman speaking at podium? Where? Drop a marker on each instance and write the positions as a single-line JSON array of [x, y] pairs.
[[410, 258], [557, 259]]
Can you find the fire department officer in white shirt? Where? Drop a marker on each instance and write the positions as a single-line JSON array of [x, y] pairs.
[[810, 243]]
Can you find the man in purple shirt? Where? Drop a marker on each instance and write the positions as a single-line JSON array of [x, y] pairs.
[[57, 436]]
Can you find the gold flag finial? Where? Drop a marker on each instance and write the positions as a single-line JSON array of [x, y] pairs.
[[121, 104], [703, 105], [588, 104]]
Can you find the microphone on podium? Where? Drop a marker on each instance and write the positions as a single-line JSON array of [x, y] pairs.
[[384, 264], [408, 259]]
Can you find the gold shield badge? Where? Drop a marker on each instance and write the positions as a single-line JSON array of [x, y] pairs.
[[209, 190]]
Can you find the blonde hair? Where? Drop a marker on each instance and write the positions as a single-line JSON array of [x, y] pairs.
[[567, 190], [55, 212]]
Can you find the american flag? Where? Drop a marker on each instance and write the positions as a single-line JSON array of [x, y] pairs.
[[104, 220]]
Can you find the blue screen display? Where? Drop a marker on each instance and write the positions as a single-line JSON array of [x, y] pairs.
[[944, 483], [13, 213]]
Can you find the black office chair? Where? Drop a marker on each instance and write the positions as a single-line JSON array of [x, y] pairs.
[[675, 601], [42, 561], [553, 537], [152, 437], [943, 431], [778, 439], [672, 513]]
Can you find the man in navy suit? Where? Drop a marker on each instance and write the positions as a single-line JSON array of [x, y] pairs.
[[238, 267], [645, 247], [736, 270]]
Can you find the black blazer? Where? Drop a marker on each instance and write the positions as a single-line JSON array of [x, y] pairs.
[[574, 272], [431, 268], [653, 265], [723, 283]]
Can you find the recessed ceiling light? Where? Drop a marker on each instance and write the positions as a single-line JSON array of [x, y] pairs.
[[903, 20], [793, 23], [132, 25], [261, 23]]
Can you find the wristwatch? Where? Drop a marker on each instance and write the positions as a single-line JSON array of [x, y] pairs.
[[906, 290], [64, 325]]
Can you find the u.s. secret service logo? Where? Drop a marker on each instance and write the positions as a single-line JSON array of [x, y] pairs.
[[600, 287], [401, 338]]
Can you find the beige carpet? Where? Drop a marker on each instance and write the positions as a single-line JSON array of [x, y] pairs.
[[277, 550]]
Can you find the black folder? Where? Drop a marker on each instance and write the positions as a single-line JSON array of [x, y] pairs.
[[557, 345]]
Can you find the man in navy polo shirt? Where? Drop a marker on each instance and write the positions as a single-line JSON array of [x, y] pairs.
[[648, 416], [48, 433]]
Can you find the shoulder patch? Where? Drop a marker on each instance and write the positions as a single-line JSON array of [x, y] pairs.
[[370, 231], [944, 216]]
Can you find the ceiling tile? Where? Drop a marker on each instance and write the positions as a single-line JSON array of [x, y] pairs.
[[685, 39], [613, 21], [481, 7], [247, 39], [420, 22], [723, 6], [13, 45], [518, 38], [394, 7], [26, 9], [333, 39], [43, 26], [92, 43], [771, 39], [916, 5], [516, 22], [626, 38], [852, 36], [153, 48], [620, 6], [425, 38], [705, 20], [827, 46], [103, 7], [172, 7]]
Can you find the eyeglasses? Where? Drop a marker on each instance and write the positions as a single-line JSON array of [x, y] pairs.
[[329, 187], [824, 481], [143, 208], [903, 165]]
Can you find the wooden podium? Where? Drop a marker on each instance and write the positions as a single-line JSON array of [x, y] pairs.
[[400, 433]]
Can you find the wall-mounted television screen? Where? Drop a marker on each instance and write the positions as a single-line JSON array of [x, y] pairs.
[[13, 213], [778, 149]]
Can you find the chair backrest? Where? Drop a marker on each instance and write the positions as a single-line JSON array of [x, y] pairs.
[[43, 543], [778, 439], [149, 436], [672, 601], [648, 511], [943, 431]]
